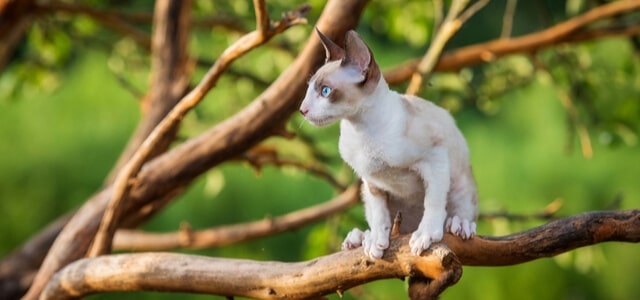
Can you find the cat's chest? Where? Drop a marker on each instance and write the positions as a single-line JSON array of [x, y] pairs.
[[384, 158]]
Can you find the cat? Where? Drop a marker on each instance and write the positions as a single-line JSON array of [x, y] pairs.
[[409, 153]]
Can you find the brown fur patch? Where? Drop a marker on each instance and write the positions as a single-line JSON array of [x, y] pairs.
[[378, 192]]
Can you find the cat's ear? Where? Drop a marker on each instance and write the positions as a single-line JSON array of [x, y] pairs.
[[357, 52], [333, 51]]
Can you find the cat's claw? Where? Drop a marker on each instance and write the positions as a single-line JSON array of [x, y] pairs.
[[353, 240], [422, 238], [375, 243], [463, 228]]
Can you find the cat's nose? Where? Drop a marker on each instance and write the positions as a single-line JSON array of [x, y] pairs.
[[304, 112]]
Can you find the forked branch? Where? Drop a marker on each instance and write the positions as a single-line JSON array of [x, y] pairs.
[[339, 271]]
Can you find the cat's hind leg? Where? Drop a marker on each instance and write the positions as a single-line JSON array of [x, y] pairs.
[[462, 207]]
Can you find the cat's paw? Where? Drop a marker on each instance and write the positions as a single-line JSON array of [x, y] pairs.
[[423, 237], [375, 242], [353, 240], [463, 228]]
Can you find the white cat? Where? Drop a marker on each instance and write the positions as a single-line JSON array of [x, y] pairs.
[[409, 153]]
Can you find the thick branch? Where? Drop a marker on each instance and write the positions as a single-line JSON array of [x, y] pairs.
[[225, 235], [572, 30], [551, 239], [338, 271]]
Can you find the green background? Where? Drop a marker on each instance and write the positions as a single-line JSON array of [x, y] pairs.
[[64, 121]]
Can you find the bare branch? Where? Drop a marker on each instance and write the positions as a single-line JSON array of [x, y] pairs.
[[234, 277], [339, 271], [452, 22], [115, 21], [507, 19], [572, 30], [225, 235], [262, 155]]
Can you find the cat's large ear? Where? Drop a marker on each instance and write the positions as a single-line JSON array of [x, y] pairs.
[[357, 52], [333, 51]]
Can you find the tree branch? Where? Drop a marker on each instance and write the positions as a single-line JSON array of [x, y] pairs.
[[572, 30], [339, 271], [259, 156], [220, 236], [456, 16], [116, 21]]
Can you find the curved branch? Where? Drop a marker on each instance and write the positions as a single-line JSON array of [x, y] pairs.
[[549, 240], [338, 271], [225, 235], [571, 30]]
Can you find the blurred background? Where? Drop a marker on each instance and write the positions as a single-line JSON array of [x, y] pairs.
[[556, 128]]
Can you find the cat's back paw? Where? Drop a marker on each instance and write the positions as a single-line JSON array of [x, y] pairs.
[[353, 240]]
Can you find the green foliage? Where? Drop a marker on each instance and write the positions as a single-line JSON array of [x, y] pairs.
[[65, 117]]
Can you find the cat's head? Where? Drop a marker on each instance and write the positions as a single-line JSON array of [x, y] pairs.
[[339, 88]]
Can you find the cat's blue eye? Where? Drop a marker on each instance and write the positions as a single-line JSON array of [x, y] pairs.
[[325, 91]]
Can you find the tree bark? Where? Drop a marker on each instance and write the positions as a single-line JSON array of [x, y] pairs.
[[339, 271]]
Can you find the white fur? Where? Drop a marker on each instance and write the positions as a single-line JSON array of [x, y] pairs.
[[409, 154]]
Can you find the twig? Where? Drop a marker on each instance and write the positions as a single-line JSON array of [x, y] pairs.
[[224, 235], [338, 271], [507, 19], [262, 155], [572, 30], [115, 21], [571, 111], [452, 22], [102, 241], [548, 213]]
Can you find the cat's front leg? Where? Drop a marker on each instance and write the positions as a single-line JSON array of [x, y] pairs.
[[435, 173], [376, 239]]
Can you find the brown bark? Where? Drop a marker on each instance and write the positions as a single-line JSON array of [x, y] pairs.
[[339, 271], [226, 235]]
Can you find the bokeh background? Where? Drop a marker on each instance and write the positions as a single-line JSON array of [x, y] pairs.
[[65, 116]]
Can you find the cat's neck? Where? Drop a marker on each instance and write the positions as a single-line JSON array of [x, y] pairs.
[[380, 109]]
